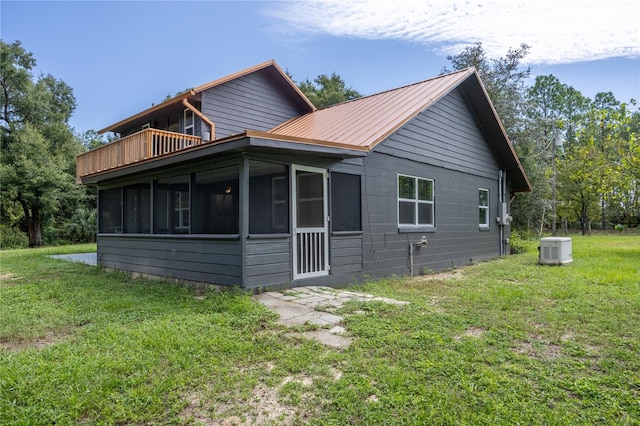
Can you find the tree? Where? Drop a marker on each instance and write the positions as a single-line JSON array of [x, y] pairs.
[[504, 79], [552, 109], [91, 139], [37, 168], [325, 91], [599, 172]]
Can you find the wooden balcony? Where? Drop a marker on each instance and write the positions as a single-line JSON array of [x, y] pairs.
[[146, 144]]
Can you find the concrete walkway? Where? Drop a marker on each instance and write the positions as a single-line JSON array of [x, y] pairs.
[[316, 305], [87, 258]]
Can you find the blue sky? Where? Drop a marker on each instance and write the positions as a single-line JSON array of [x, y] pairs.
[[120, 57]]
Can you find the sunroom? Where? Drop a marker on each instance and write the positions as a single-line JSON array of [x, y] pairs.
[[249, 211]]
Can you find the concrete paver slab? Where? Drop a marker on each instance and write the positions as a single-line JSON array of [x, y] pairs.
[[87, 258], [314, 305]]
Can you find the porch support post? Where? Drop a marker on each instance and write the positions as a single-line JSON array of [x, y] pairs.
[[244, 214]]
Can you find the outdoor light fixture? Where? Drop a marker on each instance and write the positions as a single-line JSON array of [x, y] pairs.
[[228, 190]]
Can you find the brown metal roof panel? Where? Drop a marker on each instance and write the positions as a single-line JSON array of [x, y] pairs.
[[366, 121]]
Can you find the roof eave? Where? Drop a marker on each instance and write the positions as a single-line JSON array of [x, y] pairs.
[[170, 102], [247, 140], [299, 97], [522, 183]]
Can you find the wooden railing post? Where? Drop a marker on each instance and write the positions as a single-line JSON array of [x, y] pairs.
[[149, 144]]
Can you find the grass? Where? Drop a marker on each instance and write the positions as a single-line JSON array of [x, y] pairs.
[[502, 342]]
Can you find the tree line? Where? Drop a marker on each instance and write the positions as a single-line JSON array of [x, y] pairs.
[[582, 155]]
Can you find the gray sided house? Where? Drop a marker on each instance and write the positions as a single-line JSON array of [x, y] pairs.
[[243, 182]]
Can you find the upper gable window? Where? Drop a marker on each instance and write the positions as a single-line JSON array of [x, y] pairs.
[[415, 201], [188, 121]]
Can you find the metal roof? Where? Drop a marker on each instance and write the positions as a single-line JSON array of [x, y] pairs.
[[367, 121]]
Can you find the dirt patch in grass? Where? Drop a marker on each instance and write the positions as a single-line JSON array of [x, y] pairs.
[[8, 279], [473, 332], [263, 407], [35, 343], [267, 405], [539, 349], [456, 274]]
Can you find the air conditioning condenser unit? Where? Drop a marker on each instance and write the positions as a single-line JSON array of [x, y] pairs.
[[555, 251]]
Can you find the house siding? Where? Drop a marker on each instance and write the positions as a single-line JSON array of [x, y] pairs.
[[187, 258], [268, 262], [446, 135], [443, 143], [346, 255], [251, 102]]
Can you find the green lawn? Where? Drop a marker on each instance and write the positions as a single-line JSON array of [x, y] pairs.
[[502, 342]]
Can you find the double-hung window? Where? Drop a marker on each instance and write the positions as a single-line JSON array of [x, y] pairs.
[[483, 205], [181, 207], [415, 201]]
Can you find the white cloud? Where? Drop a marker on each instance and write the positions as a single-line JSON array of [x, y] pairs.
[[558, 31]]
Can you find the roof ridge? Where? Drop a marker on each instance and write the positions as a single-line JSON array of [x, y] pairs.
[[469, 70], [218, 82]]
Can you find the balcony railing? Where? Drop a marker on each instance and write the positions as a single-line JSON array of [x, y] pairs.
[[146, 144]]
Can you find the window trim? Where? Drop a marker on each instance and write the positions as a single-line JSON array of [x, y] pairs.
[[180, 208], [275, 202], [487, 224], [416, 202], [190, 127]]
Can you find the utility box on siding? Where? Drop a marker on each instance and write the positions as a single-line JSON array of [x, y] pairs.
[[555, 251]]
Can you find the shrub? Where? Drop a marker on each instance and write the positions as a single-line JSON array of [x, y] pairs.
[[12, 237], [519, 242]]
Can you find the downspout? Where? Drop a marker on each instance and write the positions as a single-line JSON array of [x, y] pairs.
[[411, 256], [202, 117], [501, 211]]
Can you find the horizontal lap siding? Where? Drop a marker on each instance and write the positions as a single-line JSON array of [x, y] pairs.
[[251, 102], [445, 135], [445, 144], [211, 261], [268, 262], [346, 254]]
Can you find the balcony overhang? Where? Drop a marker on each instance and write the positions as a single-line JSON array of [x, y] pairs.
[[248, 141]]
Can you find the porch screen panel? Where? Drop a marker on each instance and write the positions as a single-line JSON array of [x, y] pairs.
[[345, 202], [268, 198], [137, 209], [216, 198], [110, 217], [171, 205], [310, 200]]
